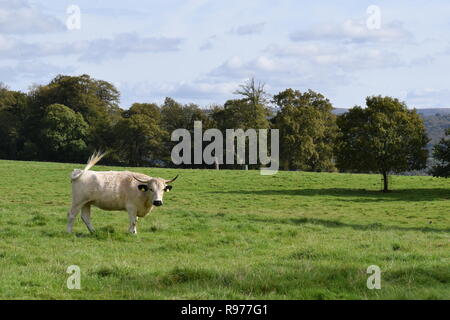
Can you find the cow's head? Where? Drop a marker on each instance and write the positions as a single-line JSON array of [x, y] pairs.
[[157, 187]]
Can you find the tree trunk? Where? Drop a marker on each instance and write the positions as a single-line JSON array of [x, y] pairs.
[[385, 182]]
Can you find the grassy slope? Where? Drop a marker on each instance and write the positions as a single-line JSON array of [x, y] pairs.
[[229, 234]]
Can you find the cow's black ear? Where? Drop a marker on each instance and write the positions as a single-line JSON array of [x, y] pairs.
[[168, 188], [143, 187]]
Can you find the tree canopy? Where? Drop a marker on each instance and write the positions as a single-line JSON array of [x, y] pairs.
[[307, 130], [385, 137], [441, 154], [63, 134]]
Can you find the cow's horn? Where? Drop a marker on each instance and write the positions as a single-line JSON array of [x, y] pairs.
[[170, 181], [143, 181]]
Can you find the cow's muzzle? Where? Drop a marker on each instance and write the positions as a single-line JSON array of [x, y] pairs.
[[157, 203]]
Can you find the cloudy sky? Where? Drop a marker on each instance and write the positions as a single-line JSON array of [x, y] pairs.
[[200, 50]]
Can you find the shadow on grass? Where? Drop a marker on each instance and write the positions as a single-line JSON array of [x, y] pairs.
[[272, 280], [357, 195], [104, 233], [338, 224]]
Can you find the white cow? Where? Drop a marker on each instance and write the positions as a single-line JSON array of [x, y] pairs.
[[135, 193]]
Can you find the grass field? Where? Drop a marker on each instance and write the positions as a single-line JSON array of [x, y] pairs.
[[229, 235]]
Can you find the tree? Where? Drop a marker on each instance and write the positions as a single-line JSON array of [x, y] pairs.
[[175, 115], [91, 97], [248, 112], [13, 115], [138, 138], [385, 137], [63, 134], [441, 154], [96, 100], [307, 130], [251, 110], [151, 110], [253, 92], [9, 133], [240, 114], [6, 96]]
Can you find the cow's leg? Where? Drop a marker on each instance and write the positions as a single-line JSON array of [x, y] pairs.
[[71, 215], [132, 214], [86, 217]]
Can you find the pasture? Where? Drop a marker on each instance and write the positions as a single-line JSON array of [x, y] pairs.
[[229, 235]]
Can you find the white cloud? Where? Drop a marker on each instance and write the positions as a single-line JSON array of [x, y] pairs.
[[202, 90], [248, 29], [19, 17], [348, 57], [219, 84], [125, 43], [305, 49], [236, 68], [91, 51], [13, 48], [280, 72], [447, 49], [35, 70], [208, 44], [353, 31], [428, 97], [108, 11], [426, 59]]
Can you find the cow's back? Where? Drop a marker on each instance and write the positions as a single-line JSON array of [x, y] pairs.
[[108, 190]]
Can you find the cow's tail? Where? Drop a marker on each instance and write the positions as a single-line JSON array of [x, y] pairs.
[[96, 157]]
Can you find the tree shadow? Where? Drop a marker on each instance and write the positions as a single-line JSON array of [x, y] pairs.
[[339, 224], [356, 195], [266, 279]]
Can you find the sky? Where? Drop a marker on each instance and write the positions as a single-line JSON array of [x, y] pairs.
[[199, 51]]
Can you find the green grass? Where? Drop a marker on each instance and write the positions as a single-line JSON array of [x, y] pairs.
[[229, 235]]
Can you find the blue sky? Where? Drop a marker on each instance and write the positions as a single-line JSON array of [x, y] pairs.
[[201, 50]]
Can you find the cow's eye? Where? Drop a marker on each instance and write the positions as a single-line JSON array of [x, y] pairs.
[[143, 187]]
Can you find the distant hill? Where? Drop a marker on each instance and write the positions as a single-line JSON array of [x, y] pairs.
[[436, 125], [424, 112], [339, 110], [434, 111]]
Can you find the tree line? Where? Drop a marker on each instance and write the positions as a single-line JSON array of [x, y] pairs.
[[70, 117]]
